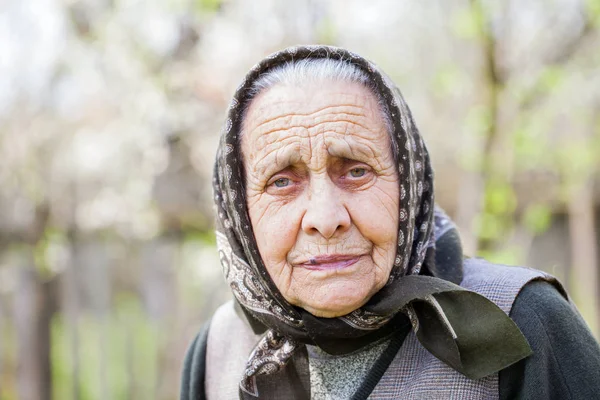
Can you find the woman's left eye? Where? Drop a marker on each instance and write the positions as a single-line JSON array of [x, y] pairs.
[[282, 182], [358, 172]]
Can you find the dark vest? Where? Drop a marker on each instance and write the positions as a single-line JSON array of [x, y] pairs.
[[413, 374]]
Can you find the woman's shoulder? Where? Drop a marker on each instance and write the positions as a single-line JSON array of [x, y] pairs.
[[501, 284], [565, 363], [545, 314], [194, 367], [217, 356], [543, 300]]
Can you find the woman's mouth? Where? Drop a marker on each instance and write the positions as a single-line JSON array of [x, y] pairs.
[[332, 261]]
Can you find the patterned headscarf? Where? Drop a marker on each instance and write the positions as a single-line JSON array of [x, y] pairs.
[[288, 328]]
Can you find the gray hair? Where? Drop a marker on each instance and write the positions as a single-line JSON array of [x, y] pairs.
[[311, 70]]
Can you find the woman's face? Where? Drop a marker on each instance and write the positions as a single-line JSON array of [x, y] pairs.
[[322, 190]]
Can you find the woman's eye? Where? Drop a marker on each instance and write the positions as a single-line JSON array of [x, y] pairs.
[[358, 172], [282, 182]]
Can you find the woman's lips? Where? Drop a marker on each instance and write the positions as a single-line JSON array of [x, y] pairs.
[[326, 262]]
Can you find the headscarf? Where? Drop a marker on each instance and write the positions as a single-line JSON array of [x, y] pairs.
[[437, 308]]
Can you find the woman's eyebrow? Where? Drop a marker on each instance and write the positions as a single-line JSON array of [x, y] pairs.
[[277, 160], [353, 151]]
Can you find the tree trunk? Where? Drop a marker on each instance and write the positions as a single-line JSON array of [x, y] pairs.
[[584, 268], [33, 310], [70, 300], [471, 193], [2, 343]]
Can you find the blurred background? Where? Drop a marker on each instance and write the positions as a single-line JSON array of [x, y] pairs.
[[110, 112]]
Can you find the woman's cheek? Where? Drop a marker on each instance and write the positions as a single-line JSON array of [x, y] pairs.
[[278, 232], [380, 224]]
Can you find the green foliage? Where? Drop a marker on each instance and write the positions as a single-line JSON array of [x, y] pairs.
[[488, 226], [547, 82], [496, 220], [466, 24], [326, 32], [209, 6], [537, 218], [8, 353], [477, 123], [530, 144], [447, 80], [576, 159], [118, 350], [50, 240], [479, 119], [500, 198], [510, 255], [592, 8], [203, 237], [551, 77], [60, 360]]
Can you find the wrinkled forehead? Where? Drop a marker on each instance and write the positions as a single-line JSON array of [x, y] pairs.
[[343, 119], [283, 106]]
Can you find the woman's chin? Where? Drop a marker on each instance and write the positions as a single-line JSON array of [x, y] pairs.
[[334, 307], [328, 313]]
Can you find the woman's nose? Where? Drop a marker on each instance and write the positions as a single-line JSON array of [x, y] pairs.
[[325, 212]]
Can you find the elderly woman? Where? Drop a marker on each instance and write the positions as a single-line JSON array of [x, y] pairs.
[[348, 281]]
